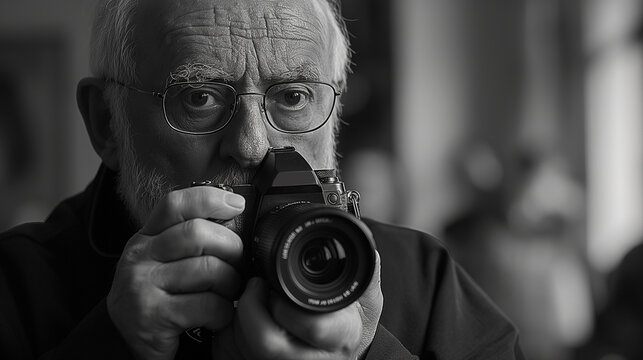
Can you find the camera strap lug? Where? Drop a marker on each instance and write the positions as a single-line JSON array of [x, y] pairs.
[[353, 198]]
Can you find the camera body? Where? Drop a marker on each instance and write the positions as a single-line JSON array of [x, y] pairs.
[[302, 232]]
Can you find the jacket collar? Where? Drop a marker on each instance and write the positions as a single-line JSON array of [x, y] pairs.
[[109, 225]]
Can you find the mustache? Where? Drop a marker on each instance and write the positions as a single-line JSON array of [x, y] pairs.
[[233, 174]]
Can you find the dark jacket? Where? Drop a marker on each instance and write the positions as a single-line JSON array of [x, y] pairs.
[[54, 277]]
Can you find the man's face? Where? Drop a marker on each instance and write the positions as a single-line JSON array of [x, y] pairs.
[[248, 44]]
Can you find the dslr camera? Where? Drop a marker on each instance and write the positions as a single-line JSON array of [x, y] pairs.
[[302, 232]]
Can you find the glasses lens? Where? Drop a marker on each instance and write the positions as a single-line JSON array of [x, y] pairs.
[[299, 107], [198, 107]]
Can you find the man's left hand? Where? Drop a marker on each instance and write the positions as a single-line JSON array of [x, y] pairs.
[[268, 326]]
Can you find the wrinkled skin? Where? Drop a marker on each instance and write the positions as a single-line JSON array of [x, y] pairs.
[[182, 271], [254, 49]]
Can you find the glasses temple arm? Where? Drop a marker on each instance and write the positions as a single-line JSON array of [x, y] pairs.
[[147, 92]]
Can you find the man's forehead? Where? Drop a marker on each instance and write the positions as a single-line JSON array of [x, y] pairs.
[[274, 38], [247, 17]]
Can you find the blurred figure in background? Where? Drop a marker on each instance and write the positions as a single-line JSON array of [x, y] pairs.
[[517, 249]]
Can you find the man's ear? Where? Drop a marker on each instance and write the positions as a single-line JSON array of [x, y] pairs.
[[97, 117]]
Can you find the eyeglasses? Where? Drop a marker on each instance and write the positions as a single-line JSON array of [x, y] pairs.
[[201, 108]]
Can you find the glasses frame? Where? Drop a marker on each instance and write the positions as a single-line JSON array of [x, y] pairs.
[[161, 95]]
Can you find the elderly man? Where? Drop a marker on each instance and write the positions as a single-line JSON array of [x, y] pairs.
[[201, 89]]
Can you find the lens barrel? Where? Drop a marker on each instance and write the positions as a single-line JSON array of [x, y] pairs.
[[320, 257]]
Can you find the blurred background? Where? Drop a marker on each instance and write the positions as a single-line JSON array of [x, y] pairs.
[[510, 129]]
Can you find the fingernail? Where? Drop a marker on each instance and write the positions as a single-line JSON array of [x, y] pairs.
[[235, 201]]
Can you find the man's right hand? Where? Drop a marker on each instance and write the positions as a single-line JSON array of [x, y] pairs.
[[179, 271]]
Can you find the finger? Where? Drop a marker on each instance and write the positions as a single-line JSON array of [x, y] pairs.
[[198, 274], [337, 332], [257, 333], [205, 309], [196, 237], [195, 202]]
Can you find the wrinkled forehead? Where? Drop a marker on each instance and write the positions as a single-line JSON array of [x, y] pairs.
[[234, 40]]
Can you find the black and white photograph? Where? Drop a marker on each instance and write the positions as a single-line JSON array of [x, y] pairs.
[[322, 179]]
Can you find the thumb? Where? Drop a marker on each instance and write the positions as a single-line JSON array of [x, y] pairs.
[[372, 300], [370, 307]]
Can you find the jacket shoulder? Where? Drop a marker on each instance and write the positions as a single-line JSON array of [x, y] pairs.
[[428, 298], [414, 246], [64, 218]]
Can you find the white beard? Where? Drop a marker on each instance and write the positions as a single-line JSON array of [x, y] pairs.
[[142, 188]]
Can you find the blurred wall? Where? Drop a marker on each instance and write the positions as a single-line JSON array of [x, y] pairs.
[[488, 120], [66, 24], [614, 95], [429, 116]]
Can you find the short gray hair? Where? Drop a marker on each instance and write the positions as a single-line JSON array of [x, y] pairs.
[[112, 43]]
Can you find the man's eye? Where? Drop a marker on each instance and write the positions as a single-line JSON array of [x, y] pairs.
[[294, 99], [200, 99]]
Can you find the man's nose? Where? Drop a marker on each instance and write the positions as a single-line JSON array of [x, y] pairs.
[[245, 139]]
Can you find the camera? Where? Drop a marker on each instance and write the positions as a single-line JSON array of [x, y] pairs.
[[302, 232]]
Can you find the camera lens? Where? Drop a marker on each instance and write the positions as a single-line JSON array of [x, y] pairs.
[[321, 257], [323, 260]]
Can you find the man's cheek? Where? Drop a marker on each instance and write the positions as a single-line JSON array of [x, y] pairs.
[[318, 150]]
